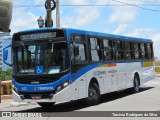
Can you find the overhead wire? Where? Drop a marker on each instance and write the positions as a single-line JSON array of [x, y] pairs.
[[148, 3], [134, 5]]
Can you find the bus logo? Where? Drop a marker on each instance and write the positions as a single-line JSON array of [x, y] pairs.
[[39, 69]]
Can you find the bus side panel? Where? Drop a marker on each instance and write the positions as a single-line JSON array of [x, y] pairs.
[[82, 86], [74, 90], [97, 74], [107, 80], [147, 72], [132, 68], [79, 87], [64, 95], [84, 81]]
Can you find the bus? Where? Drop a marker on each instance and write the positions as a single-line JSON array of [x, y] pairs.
[[56, 65]]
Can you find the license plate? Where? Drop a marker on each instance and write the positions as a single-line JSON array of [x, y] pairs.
[[35, 97]]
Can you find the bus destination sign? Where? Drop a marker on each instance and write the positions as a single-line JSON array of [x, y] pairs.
[[36, 36]]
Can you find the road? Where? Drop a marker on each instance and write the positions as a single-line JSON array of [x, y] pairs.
[[148, 99]]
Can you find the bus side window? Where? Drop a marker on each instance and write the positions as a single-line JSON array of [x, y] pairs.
[[127, 51], [142, 51], [146, 52], [119, 50], [107, 49], [136, 51], [149, 50], [80, 53], [94, 49]]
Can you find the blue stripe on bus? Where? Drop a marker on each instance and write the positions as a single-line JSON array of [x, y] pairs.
[[40, 87]]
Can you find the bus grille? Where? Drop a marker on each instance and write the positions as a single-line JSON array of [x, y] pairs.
[[34, 81]]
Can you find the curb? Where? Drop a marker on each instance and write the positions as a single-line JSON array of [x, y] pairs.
[[17, 104]]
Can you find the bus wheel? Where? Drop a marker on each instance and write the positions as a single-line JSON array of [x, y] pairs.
[[93, 95], [47, 105], [135, 88]]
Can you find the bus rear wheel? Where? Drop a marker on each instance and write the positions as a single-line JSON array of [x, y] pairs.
[[135, 88], [93, 95], [47, 105]]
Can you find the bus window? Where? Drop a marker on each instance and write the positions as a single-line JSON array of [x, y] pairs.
[[80, 53], [149, 50], [94, 49], [118, 49], [127, 51], [142, 51], [107, 46], [136, 51], [146, 51]]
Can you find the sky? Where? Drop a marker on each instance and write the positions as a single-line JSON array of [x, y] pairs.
[[135, 18]]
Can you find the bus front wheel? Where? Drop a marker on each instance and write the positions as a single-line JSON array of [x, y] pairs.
[[93, 95], [47, 105]]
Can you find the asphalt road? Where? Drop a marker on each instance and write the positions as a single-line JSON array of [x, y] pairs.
[[148, 99]]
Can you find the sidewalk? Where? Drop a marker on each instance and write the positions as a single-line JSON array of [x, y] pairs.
[[6, 103]]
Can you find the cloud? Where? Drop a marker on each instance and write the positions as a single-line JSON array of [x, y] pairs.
[[122, 16], [22, 19], [141, 32], [39, 2], [82, 16], [121, 29], [125, 13], [77, 17], [148, 34]]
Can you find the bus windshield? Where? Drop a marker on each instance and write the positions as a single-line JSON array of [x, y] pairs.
[[45, 58]]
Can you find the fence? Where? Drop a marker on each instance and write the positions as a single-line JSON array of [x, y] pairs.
[[6, 88], [157, 66]]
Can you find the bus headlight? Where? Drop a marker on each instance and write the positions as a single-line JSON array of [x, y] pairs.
[[62, 86], [65, 84]]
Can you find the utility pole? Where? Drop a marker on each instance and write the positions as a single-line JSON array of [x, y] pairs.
[[49, 21], [57, 14]]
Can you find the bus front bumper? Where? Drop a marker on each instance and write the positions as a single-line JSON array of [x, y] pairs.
[[63, 95]]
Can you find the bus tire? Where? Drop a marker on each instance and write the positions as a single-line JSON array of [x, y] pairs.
[[93, 95], [46, 105], [135, 88]]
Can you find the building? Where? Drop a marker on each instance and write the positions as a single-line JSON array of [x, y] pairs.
[[5, 41], [0, 54]]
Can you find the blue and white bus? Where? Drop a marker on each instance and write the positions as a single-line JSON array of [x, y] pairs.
[[56, 65]]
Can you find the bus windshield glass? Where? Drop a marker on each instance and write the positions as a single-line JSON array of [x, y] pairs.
[[46, 58]]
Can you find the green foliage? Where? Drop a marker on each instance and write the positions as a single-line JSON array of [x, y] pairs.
[[5, 75]]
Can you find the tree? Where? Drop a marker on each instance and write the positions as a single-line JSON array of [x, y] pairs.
[[5, 75]]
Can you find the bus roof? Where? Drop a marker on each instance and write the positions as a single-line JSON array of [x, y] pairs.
[[86, 32]]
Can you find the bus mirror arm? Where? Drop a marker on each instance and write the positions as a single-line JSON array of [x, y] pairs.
[[76, 50]]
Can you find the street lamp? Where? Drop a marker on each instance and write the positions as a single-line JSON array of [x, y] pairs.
[[40, 22]]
